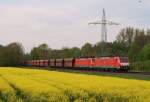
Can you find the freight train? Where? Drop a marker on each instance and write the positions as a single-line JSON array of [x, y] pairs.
[[99, 63]]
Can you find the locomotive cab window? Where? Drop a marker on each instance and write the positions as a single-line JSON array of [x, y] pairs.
[[124, 59]]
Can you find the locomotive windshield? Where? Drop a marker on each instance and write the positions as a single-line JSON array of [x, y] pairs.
[[124, 59]]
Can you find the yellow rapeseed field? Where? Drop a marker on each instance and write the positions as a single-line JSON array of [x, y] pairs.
[[31, 85]]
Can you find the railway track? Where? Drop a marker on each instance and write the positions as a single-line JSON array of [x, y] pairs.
[[90, 71], [143, 73]]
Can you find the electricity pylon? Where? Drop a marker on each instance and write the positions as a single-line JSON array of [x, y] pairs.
[[103, 24]]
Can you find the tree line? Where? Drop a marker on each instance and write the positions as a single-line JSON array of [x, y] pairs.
[[131, 42]]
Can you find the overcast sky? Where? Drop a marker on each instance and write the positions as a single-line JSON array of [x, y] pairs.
[[64, 23]]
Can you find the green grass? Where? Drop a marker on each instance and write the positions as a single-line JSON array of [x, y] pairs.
[[32, 85]]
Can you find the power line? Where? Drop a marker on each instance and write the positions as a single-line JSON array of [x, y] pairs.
[[103, 24]]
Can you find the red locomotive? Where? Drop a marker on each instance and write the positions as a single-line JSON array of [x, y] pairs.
[[99, 63]]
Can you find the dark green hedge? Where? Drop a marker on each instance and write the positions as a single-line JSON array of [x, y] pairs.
[[141, 66]]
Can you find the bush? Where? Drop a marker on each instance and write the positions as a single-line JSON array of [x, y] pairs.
[[145, 53], [141, 66]]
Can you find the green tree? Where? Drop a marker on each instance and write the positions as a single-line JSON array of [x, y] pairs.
[[13, 54], [97, 49], [76, 52], [87, 50], [134, 52], [65, 53], [55, 53], [140, 40], [44, 51], [126, 36], [35, 53], [40, 52], [3, 58], [119, 49], [145, 53]]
